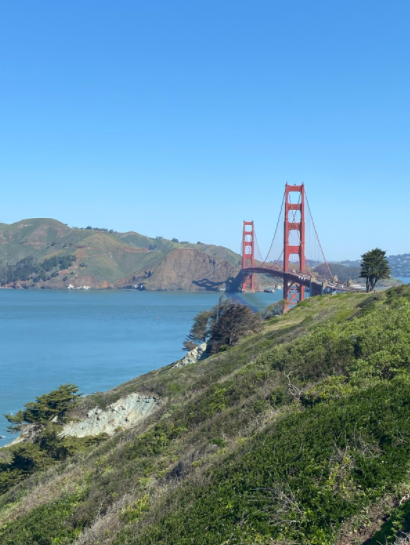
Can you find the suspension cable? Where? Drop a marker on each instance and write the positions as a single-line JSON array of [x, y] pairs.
[[318, 239], [276, 230], [257, 246]]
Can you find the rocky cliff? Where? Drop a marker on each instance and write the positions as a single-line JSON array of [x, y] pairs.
[[186, 269]]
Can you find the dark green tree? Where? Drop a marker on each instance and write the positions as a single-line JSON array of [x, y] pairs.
[[374, 267], [229, 323], [45, 408], [223, 325], [199, 331]]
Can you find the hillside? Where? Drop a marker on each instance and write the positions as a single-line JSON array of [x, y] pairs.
[[103, 259], [399, 264], [344, 273], [299, 434]]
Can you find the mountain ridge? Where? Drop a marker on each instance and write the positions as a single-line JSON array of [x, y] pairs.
[[108, 259]]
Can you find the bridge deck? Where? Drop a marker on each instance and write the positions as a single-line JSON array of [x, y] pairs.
[[301, 278]]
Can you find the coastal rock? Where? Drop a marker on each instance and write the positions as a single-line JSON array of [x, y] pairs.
[[124, 413], [192, 356]]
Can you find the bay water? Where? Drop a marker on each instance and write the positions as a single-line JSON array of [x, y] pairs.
[[94, 339]]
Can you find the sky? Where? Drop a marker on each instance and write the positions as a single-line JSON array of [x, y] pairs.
[[182, 119]]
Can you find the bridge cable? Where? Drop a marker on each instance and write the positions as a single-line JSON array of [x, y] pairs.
[[276, 230], [257, 246], [317, 236]]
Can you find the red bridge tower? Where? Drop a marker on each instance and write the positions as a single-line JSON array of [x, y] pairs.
[[248, 254], [294, 225]]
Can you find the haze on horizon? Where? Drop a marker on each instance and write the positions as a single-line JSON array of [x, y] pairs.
[[183, 119]]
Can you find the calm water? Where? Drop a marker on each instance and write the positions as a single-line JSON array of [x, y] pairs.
[[95, 339], [404, 279]]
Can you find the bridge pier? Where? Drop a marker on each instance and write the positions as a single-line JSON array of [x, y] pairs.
[[316, 289], [293, 293]]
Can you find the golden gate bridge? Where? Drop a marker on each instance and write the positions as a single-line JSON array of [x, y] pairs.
[[295, 247]]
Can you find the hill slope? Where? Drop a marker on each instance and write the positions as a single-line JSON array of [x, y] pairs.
[[300, 434], [104, 258], [399, 264]]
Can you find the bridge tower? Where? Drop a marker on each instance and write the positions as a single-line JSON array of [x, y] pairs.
[[294, 224], [248, 254]]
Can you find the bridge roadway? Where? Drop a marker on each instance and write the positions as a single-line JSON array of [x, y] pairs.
[[316, 283]]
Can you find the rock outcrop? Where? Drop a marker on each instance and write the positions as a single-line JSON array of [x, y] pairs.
[[193, 356], [124, 413]]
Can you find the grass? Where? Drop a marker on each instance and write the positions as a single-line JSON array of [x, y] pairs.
[[306, 422]]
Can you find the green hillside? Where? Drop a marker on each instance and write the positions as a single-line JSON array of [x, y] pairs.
[[103, 258], [299, 434]]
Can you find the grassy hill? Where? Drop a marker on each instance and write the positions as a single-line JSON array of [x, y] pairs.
[[299, 434], [110, 259]]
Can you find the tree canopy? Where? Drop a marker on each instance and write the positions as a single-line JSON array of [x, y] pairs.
[[29, 268], [222, 326], [199, 331], [374, 267], [45, 408]]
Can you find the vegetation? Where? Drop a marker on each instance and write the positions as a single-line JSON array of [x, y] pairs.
[[343, 273], [46, 408], [45, 415], [109, 257], [299, 433], [222, 326], [399, 264], [200, 330], [29, 268], [374, 267], [275, 309]]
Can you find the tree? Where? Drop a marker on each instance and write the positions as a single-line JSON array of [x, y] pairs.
[[223, 325], [230, 322], [45, 408], [199, 331], [275, 309], [374, 267]]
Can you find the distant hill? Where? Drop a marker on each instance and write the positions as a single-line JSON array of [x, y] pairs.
[[399, 264], [342, 272], [32, 253]]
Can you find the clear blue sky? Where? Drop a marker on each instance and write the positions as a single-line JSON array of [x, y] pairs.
[[182, 118]]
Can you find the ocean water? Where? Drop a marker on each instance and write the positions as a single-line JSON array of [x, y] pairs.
[[404, 279], [94, 339]]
